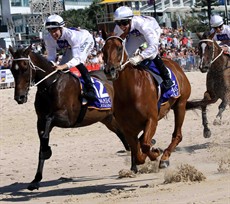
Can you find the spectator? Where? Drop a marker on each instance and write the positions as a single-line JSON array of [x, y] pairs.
[[184, 41]]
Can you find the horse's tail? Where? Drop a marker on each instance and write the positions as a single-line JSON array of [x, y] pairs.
[[198, 104]]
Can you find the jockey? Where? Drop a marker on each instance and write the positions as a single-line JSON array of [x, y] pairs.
[[141, 29], [77, 43], [222, 32]]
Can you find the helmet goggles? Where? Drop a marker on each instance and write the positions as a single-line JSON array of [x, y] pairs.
[[124, 22]]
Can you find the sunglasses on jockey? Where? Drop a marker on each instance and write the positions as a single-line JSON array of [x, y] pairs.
[[220, 27], [122, 22]]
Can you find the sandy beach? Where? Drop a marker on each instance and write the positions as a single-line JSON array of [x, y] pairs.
[[86, 162]]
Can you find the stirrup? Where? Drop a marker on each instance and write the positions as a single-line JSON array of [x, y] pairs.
[[167, 84], [90, 95]]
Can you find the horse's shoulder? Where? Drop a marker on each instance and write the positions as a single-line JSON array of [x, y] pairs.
[[99, 74]]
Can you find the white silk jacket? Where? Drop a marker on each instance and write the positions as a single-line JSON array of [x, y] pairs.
[[78, 44], [143, 29], [223, 36]]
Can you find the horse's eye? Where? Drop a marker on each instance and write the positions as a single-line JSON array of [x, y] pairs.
[[24, 63], [120, 49]]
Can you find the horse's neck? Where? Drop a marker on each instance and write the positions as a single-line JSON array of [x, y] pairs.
[[222, 60], [125, 81], [41, 68]]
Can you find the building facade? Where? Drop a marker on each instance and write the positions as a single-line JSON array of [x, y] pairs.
[[20, 18]]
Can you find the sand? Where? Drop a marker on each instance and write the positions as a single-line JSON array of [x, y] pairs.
[[86, 162]]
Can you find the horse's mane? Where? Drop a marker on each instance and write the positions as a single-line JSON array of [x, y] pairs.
[[206, 35], [40, 60]]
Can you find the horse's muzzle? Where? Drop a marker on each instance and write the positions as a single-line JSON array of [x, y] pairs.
[[20, 99], [110, 73], [203, 69]]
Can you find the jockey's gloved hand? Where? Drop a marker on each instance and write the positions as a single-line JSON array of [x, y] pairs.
[[137, 52], [226, 49], [135, 60]]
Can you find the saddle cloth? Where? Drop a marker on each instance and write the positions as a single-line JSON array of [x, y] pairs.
[[173, 92], [103, 101]]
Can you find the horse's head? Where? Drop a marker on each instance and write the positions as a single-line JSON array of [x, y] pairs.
[[208, 51], [114, 55], [22, 73]]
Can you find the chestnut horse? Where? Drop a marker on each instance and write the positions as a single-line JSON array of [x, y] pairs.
[[217, 65], [136, 103], [58, 101]]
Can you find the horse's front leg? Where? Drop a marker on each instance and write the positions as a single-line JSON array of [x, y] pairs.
[[43, 127], [221, 108], [146, 140], [137, 156], [206, 132]]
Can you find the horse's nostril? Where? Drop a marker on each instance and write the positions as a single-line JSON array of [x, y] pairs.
[[106, 71], [20, 99]]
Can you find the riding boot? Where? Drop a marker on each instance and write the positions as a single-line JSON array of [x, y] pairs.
[[90, 93], [167, 82]]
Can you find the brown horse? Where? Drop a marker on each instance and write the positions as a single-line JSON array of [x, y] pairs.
[[217, 65], [58, 101], [136, 103]]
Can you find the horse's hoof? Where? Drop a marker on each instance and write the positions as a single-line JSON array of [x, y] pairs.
[[33, 186], [207, 133], [158, 150], [164, 164], [134, 169], [217, 121], [153, 141]]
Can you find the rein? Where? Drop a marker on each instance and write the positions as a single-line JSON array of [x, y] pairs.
[[213, 52], [121, 64], [34, 67]]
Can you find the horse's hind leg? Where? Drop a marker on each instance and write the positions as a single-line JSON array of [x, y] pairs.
[[179, 114], [45, 152], [221, 108]]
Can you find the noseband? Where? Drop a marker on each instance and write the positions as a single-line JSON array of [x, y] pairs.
[[213, 52], [34, 67]]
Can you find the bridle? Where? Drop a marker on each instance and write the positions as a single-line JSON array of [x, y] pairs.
[[213, 51], [121, 64], [31, 67]]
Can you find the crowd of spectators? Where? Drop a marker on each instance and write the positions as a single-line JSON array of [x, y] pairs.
[[174, 44], [5, 59], [178, 46]]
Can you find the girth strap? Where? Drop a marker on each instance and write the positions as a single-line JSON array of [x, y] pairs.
[[82, 113]]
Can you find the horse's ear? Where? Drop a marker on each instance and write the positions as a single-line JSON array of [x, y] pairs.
[[212, 35], [28, 50], [11, 50], [124, 34], [104, 34], [199, 35]]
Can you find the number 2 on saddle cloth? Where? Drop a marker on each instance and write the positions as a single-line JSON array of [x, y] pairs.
[[103, 101]]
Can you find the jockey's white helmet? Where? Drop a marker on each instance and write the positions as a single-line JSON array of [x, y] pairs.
[[216, 21], [122, 13], [54, 21]]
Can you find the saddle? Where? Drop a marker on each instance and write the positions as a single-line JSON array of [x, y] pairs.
[[164, 95]]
